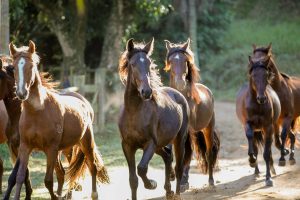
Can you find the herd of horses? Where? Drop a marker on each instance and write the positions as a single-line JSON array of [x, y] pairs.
[[154, 118]]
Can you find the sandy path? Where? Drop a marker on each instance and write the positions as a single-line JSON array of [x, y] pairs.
[[234, 180]]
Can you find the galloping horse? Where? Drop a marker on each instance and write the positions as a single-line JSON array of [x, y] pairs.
[[258, 109], [152, 117], [51, 122], [184, 76], [288, 91]]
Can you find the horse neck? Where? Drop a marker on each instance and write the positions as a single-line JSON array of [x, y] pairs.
[[37, 95], [277, 76], [131, 96]]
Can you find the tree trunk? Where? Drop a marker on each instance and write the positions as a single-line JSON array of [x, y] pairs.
[[193, 29], [71, 37], [4, 26], [188, 13]]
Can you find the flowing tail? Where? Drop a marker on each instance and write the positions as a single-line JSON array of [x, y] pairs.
[[78, 166], [258, 139], [200, 150]]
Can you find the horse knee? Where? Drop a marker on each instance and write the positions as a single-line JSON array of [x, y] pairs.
[[142, 170]]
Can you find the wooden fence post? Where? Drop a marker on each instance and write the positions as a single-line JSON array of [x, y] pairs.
[[100, 85]]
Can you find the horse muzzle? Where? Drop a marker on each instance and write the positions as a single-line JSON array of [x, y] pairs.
[[146, 94], [261, 99], [22, 95]]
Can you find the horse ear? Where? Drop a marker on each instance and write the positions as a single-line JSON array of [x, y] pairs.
[[130, 45], [168, 44], [254, 47], [186, 45], [250, 60], [12, 49], [31, 47], [269, 47], [149, 46]]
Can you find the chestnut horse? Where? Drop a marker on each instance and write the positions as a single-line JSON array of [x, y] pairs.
[[184, 76], [258, 109], [13, 106], [152, 117], [51, 122], [288, 91]]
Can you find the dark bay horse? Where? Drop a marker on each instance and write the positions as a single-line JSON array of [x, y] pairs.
[[3, 138], [258, 109], [51, 122], [152, 117], [184, 76], [288, 91]]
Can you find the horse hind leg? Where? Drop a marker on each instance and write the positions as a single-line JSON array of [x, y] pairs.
[[184, 184], [292, 160], [167, 158], [142, 167], [60, 174]]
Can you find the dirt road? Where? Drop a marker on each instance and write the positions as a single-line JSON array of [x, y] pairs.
[[234, 180]]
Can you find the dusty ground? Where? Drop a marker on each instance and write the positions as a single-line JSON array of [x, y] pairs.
[[234, 180]]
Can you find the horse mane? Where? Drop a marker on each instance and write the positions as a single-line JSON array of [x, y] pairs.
[[155, 80], [47, 81], [193, 75]]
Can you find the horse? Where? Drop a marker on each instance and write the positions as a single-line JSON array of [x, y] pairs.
[[61, 121], [13, 106], [151, 118], [203, 136], [3, 138], [288, 91], [258, 109]]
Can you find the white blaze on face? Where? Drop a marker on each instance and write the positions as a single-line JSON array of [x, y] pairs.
[[142, 60], [21, 65], [177, 56]]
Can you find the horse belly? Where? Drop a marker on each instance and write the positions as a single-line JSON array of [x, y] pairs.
[[201, 116], [73, 130]]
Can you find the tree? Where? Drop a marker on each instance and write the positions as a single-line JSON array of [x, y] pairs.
[[4, 24]]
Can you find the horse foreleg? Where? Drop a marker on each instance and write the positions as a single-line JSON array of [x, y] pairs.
[[60, 174], [267, 154], [129, 153], [255, 149], [52, 155], [24, 153], [167, 158], [184, 185], [143, 166], [250, 135]]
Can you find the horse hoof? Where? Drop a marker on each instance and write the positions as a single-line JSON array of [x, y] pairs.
[[256, 172], [292, 161], [269, 182], [94, 195], [211, 182], [254, 164], [60, 198], [177, 197], [184, 187], [281, 163], [151, 185], [170, 195]]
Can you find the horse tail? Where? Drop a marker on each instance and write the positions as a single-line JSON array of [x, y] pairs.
[[102, 175], [76, 167], [215, 147], [199, 145], [258, 139]]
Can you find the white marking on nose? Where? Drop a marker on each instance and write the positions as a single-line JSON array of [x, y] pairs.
[[21, 65], [142, 60], [177, 56]]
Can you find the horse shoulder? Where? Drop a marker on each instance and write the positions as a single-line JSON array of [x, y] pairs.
[[3, 122]]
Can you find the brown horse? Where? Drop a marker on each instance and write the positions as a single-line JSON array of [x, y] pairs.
[[3, 138], [152, 117], [13, 108], [184, 76], [288, 91], [258, 109], [51, 122]]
